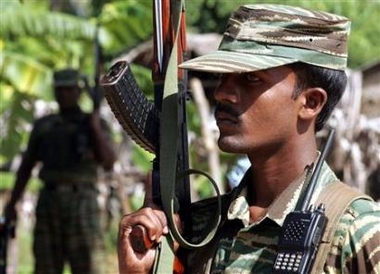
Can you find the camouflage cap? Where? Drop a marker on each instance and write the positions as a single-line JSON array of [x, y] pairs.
[[265, 36], [66, 78]]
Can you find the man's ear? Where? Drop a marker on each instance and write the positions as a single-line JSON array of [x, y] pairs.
[[313, 100]]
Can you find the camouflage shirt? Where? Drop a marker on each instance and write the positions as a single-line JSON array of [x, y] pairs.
[[244, 247]]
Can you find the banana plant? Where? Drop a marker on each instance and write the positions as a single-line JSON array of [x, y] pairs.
[[36, 41]]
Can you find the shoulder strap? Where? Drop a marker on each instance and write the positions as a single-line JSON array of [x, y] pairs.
[[333, 192]]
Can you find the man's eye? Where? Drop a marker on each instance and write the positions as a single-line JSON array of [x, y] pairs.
[[252, 77]]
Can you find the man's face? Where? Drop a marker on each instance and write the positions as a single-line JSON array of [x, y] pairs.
[[256, 112], [67, 96]]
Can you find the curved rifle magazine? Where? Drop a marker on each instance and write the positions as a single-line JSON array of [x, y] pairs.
[[137, 115]]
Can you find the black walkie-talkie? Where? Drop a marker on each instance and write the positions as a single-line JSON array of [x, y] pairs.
[[303, 229]]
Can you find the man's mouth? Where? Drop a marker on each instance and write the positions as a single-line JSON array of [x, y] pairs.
[[224, 114], [222, 117]]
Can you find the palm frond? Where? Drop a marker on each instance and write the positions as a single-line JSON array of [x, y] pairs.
[[23, 21], [25, 74], [15, 124], [128, 23]]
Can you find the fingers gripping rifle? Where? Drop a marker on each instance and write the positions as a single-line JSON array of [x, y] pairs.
[[160, 126]]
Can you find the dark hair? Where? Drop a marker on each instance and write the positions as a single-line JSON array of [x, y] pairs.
[[332, 81]]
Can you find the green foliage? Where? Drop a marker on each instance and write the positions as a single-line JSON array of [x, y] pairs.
[[143, 78], [365, 35], [22, 21], [128, 23], [35, 41], [7, 180], [35, 76], [19, 117], [142, 158], [213, 16]]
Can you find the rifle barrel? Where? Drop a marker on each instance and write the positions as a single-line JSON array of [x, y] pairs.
[[313, 180]]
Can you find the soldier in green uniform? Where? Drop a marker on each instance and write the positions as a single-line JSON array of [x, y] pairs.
[[282, 73], [70, 146]]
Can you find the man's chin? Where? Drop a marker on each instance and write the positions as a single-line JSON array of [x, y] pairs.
[[229, 146]]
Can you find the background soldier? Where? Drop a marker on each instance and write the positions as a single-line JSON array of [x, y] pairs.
[[70, 145]]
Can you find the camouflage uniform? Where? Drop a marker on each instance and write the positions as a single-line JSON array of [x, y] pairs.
[[240, 247], [67, 213], [260, 37]]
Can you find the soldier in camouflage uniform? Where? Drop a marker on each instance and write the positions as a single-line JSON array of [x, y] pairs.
[[70, 145], [282, 73]]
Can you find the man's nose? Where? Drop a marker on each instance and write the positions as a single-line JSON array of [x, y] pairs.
[[226, 91]]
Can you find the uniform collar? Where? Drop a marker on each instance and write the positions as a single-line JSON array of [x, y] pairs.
[[285, 203]]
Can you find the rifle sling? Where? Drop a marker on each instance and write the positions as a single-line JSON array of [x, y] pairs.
[[169, 137], [333, 192]]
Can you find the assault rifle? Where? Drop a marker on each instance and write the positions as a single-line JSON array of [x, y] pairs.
[[140, 118], [7, 231], [160, 126], [95, 92]]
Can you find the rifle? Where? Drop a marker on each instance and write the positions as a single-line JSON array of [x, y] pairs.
[[139, 117], [7, 230], [157, 126], [95, 92]]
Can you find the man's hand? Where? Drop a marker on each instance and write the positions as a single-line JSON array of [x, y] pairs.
[[153, 220], [95, 120], [103, 147]]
